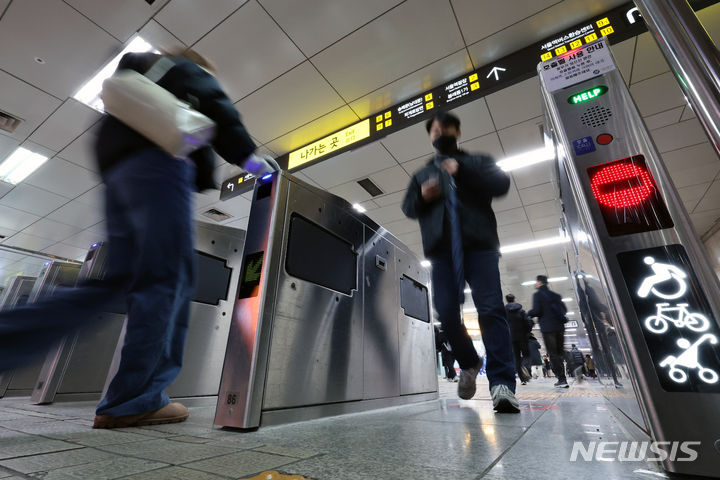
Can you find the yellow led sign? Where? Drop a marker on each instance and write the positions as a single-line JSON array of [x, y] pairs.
[[561, 50], [591, 38], [546, 56], [575, 44], [604, 22], [343, 138], [607, 31], [473, 77]]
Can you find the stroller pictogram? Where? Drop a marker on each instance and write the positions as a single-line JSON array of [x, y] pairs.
[[658, 323], [689, 360], [661, 273]]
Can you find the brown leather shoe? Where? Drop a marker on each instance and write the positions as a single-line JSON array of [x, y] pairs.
[[173, 412]]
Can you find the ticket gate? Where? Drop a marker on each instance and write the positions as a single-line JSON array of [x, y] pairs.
[[53, 275], [218, 251], [17, 292], [641, 273], [75, 368], [331, 314]]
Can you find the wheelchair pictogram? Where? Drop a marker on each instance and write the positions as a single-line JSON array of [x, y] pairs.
[[682, 318], [689, 360], [662, 272]]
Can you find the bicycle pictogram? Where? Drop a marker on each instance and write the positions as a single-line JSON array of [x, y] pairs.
[[659, 322], [689, 359]]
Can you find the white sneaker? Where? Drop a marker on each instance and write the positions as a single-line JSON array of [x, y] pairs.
[[504, 400], [468, 377]]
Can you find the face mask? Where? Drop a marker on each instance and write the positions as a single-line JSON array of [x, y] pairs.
[[445, 144]]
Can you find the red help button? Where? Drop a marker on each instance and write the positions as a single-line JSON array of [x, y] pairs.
[[604, 139]]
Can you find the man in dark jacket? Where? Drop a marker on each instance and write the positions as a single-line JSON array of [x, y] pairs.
[[578, 362], [519, 329], [550, 310], [150, 261], [451, 198]]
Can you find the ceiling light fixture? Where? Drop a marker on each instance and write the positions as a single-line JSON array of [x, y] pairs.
[[21, 163], [545, 242], [525, 159], [567, 299], [425, 263], [359, 208], [89, 94], [552, 279]]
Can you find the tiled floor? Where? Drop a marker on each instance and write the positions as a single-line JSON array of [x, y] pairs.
[[445, 439]]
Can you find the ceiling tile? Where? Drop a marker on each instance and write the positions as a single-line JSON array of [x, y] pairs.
[[649, 101], [649, 60], [72, 47], [32, 199], [238, 207], [77, 214], [515, 230], [7, 146], [120, 19], [532, 175], [363, 61], [479, 20], [543, 223], [189, 20], [84, 239], [663, 119], [549, 233], [316, 24], [306, 179], [25, 102], [509, 201], [522, 138], [65, 124], [705, 221], [392, 199], [392, 180], [369, 205], [63, 178], [691, 195], [409, 143], [249, 50], [388, 214], [14, 219], [711, 199], [679, 135], [690, 157], [47, 228], [353, 165], [516, 104], [475, 119], [623, 53], [67, 251], [288, 102], [241, 223], [314, 130], [351, 192], [694, 176], [487, 144], [28, 242], [538, 193], [542, 209], [82, 150], [411, 85], [687, 113], [511, 216], [94, 196], [157, 36]]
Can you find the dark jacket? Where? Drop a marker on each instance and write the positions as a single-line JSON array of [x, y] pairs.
[[549, 320], [478, 180], [535, 357], [518, 322], [191, 83], [577, 356]]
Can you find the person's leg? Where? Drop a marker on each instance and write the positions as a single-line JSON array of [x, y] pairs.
[[554, 345], [525, 364], [155, 193], [481, 271], [449, 363], [446, 304], [518, 360]]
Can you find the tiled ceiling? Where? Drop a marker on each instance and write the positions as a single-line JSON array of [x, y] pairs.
[[299, 70]]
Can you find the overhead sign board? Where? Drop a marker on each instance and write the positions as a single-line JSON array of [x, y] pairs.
[[617, 25]]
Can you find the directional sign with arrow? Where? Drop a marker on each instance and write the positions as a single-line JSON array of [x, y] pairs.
[[496, 71]]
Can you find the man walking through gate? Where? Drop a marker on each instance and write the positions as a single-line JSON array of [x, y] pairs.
[[550, 310], [451, 197]]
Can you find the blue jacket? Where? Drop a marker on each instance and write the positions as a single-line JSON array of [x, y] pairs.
[[191, 83], [549, 320], [478, 180]]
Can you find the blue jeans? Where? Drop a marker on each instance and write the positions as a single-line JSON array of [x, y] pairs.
[[483, 276], [150, 262]]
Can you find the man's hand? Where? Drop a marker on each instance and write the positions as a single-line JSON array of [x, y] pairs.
[[450, 165], [431, 189]]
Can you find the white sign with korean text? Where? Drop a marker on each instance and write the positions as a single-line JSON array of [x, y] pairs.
[[577, 65]]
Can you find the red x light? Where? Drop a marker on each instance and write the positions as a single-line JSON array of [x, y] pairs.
[[628, 197]]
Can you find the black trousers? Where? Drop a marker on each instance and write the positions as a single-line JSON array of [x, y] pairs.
[[554, 344], [448, 361], [522, 359]]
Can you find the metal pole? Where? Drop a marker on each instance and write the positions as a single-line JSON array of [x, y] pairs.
[[692, 55]]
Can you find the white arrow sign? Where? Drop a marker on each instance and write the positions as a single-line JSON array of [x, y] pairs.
[[495, 71], [231, 186]]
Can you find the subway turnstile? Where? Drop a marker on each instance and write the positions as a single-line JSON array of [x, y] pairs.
[[53, 275], [332, 313], [16, 294], [648, 292]]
